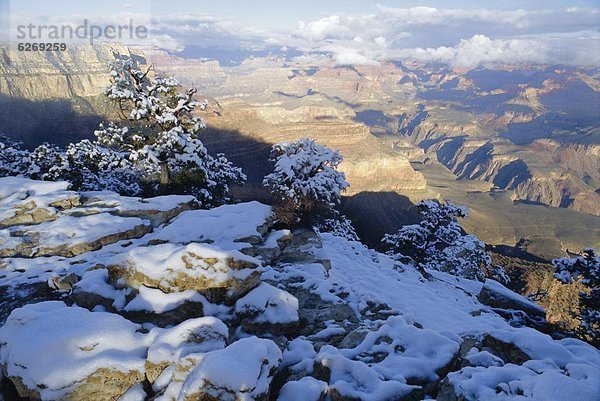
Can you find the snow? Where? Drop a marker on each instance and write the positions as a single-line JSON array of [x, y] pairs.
[[508, 294], [96, 282], [115, 202], [448, 310], [202, 334], [274, 236], [55, 345], [226, 226], [268, 305], [412, 352], [512, 382], [239, 372], [299, 355], [71, 231], [356, 380], [14, 185], [332, 330], [135, 393], [539, 346], [166, 263], [306, 389], [371, 277], [155, 301], [483, 358]]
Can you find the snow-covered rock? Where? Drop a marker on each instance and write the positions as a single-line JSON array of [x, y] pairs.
[[54, 352], [192, 336], [267, 309], [230, 227], [496, 295], [70, 236], [20, 185], [158, 210], [397, 353], [307, 389], [534, 380], [25, 209], [221, 276], [242, 371]]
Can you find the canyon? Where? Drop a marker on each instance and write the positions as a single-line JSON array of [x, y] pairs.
[[519, 145]]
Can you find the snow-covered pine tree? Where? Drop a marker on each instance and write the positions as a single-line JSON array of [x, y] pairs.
[[304, 180], [438, 242], [585, 267], [162, 139]]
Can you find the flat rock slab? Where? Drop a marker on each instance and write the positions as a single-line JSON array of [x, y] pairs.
[[229, 226], [158, 210], [221, 276], [70, 236]]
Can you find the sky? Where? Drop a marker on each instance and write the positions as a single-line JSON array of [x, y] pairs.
[[459, 33]]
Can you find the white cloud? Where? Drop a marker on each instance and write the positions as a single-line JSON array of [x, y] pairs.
[[458, 37], [480, 49], [348, 56]]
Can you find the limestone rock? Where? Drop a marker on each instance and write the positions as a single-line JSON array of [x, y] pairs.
[[229, 226], [70, 236], [26, 202], [267, 309], [157, 210], [307, 389], [54, 352], [192, 336], [397, 359], [242, 371], [221, 276]]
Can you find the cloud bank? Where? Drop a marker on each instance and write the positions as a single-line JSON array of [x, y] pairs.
[[457, 37]]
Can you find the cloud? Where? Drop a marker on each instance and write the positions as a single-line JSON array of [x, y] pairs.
[[458, 37], [348, 56], [480, 49]]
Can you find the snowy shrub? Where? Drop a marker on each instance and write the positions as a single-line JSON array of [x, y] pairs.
[[92, 167], [438, 242], [13, 159], [586, 268], [335, 223], [47, 163], [305, 179]]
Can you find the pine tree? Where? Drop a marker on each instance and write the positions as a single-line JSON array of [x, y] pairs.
[[159, 151], [162, 140]]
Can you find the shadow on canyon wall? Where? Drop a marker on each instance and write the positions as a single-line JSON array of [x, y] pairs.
[[55, 121], [372, 213], [60, 123]]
